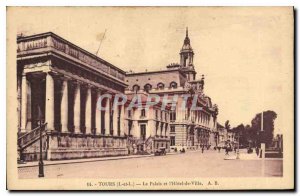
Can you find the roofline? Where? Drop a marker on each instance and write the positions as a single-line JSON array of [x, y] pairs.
[[20, 39], [154, 72]]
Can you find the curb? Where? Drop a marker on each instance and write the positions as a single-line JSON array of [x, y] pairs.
[[63, 162]]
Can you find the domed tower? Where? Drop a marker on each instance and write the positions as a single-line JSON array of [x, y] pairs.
[[186, 58]]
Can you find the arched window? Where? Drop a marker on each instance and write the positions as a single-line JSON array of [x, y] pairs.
[[160, 86], [173, 85], [147, 87], [136, 88]]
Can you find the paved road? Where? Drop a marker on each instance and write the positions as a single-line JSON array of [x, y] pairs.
[[190, 164]]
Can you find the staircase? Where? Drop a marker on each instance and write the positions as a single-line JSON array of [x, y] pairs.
[[30, 137], [146, 144], [149, 144]]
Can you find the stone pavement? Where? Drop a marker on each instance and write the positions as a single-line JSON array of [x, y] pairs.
[[191, 164]]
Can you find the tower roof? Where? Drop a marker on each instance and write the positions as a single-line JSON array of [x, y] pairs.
[[187, 43]]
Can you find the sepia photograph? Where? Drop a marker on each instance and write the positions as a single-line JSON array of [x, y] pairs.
[[150, 98]]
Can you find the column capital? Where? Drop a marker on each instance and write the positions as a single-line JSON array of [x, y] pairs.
[[62, 77], [96, 89], [90, 86], [54, 74], [24, 74], [75, 82], [105, 91]]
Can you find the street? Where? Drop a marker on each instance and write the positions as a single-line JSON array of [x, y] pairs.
[[191, 164]]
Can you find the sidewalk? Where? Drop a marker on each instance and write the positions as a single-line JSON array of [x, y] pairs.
[[69, 161]]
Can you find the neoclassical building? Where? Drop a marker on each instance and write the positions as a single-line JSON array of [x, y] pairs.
[[147, 128], [59, 84], [189, 128]]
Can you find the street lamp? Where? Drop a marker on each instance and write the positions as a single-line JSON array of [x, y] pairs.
[[41, 164]]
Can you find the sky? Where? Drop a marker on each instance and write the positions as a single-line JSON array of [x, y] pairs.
[[244, 53]]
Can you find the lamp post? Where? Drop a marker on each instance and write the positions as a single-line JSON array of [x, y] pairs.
[[41, 164]]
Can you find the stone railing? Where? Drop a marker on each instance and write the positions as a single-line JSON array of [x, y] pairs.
[[51, 40], [30, 137]]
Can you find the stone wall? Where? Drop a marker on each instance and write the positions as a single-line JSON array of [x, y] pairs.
[[59, 146]]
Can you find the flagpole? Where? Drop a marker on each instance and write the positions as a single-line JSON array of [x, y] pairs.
[[262, 121], [100, 42]]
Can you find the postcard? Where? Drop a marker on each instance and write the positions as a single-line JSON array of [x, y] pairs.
[[150, 98]]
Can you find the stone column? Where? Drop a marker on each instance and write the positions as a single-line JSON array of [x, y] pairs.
[[19, 96], [98, 115], [77, 108], [24, 103], [64, 112], [195, 137], [107, 116], [122, 124], [49, 109], [115, 118], [88, 110]]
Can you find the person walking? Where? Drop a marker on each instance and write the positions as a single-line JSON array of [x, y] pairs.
[[257, 151], [227, 150]]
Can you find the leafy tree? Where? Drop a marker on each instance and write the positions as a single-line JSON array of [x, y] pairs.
[[253, 134], [239, 131], [265, 136], [227, 125]]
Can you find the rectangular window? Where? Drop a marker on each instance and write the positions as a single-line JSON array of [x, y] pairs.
[[172, 129], [172, 116], [129, 113], [143, 132], [129, 127], [172, 140], [143, 113]]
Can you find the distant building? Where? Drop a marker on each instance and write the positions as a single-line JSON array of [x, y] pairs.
[[221, 135], [231, 137], [189, 128], [225, 136]]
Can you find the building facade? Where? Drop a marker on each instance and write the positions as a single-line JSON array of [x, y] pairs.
[[221, 135], [225, 137], [147, 127], [189, 128], [58, 87]]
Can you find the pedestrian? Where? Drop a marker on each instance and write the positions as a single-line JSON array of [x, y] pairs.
[[227, 150], [257, 151], [202, 149]]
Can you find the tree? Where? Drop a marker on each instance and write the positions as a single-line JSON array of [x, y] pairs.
[[227, 125], [239, 131], [265, 136]]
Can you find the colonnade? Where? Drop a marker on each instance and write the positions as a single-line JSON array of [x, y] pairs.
[[78, 107]]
